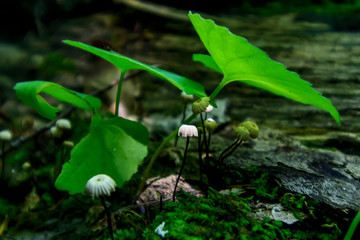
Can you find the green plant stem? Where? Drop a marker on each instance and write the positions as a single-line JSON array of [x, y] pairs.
[[156, 154], [352, 227], [108, 216], [118, 93], [217, 89], [182, 167], [204, 139]]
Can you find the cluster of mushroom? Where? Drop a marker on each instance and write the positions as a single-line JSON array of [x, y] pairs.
[[243, 132]]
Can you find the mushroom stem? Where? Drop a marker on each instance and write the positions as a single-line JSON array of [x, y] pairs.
[[182, 167], [108, 216], [208, 146], [237, 144], [227, 149], [200, 157]]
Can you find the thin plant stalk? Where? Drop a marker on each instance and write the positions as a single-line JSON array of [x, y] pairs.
[[64, 154], [200, 156], [182, 167], [352, 227], [208, 145], [231, 151], [118, 93], [227, 149], [156, 154], [108, 216]]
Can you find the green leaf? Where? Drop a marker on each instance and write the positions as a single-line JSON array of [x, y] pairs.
[[125, 63], [28, 92], [114, 147], [243, 62], [208, 61]]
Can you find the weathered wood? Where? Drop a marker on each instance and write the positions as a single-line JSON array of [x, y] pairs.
[[325, 175]]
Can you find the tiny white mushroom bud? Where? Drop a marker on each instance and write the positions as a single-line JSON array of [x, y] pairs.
[[188, 131], [26, 166], [210, 124], [5, 135], [209, 108], [100, 185], [63, 123], [187, 97], [56, 132]]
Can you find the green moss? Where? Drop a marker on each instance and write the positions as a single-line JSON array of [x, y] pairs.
[[214, 217]]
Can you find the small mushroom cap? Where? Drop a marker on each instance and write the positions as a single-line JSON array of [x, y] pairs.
[[63, 123], [200, 105], [5, 135], [188, 131], [100, 185], [209, 108], [210, 124], [187, 97], [242, 133], [68, 144], [56, 132], [252, 128]]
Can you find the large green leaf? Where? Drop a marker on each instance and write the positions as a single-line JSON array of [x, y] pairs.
[[28, 92], [208, 61], [114, 147], [125, 63], [240, 61]]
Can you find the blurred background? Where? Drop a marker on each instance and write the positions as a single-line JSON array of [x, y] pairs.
[[296, 33], [319, 39]]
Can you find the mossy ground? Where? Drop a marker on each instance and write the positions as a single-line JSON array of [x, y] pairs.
[[227, 216]]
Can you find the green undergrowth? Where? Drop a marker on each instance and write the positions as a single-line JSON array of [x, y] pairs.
[[230, 216]]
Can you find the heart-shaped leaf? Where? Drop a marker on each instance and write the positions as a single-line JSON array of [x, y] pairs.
[[240, 61], [28, 92], [125, 63], [114, 147]]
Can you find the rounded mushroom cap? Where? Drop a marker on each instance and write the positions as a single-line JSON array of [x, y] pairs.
[[5, 135], [56, 132], [242, 133], [63, 123], [200, 130], [100, 185], [188, 131], [187, 97], [209, 108], [210, 124], [252, 128], [200, 105]]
